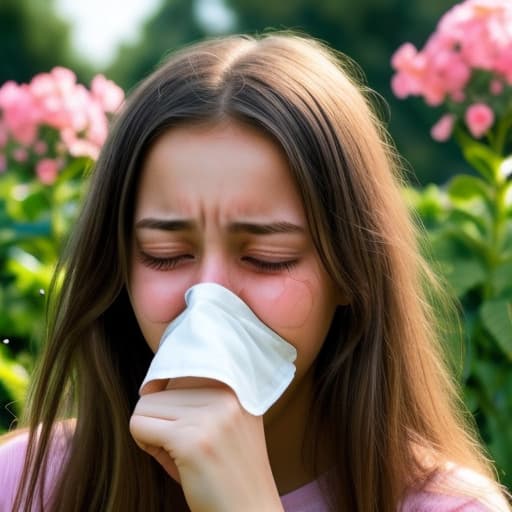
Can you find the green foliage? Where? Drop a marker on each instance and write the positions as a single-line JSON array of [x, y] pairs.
[[469, 230], [34, 220]]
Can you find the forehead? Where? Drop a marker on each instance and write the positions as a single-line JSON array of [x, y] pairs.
[[227, 165]]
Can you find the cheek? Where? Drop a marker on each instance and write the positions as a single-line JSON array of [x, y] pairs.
[[156, 298], [282, 303], [299, 308]]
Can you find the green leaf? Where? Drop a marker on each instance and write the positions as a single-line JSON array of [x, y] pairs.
[[28, 202], [497, 318], [473, 223], [13, 376], [463, 274], [482, 158], [465, 187], [470, 398], [502, 279], [473, 243], [500, 439], [429, 204]]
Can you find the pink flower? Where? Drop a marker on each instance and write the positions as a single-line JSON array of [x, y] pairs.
[[64, 79], [411, 68], [42, 85], [40, 147], [20, 155], [77, 147], [402, 85], [458, 96], [504, 64], [455, 73], [496, 87], [472, 35], [109, 95], [98, 125], [20, 114], [47, 170], [4, 135], [76, 107], [404, 56], [479, 118], [443, 129], [57, 102]]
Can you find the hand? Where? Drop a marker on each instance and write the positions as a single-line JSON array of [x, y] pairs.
[[208, 443]]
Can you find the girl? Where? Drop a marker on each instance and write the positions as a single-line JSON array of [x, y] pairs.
[[256, 164]]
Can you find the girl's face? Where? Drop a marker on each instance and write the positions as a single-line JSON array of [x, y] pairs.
[[217, 203]]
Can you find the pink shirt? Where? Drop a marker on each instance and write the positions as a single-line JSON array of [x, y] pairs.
[[305, 499], [309, 499]]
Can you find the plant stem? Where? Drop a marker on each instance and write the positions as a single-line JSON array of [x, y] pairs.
[[497, 238]]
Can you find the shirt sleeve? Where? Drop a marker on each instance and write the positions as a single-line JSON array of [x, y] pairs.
[[457, 490], [12, 457]]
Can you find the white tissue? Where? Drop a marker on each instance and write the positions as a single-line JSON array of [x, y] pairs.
[[218, 337]]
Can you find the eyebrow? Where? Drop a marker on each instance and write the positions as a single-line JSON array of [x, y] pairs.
[[253, 228]]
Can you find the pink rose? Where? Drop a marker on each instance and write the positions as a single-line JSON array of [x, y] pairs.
[[479, 118], [47, 170], [443, 129]]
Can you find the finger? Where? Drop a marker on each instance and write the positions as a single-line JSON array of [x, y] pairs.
[[193, 382], [154, 386], [150, 431], [173, 403], [152, 436], [167, 405], [165, 460]]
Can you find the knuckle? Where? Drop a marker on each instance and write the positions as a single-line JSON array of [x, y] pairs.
[[205, 445]]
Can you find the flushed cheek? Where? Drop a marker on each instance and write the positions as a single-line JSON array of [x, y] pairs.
[[283, 302], [156, 298]]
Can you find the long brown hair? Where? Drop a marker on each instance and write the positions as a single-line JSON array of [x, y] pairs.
[[383, 395]]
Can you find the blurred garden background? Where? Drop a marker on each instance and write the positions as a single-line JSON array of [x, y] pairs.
[[454, 133]]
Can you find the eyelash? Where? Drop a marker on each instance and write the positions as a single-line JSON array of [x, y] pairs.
[[170, 263]]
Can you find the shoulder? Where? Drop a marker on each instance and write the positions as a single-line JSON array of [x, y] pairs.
[[13, 448], [456, 489]]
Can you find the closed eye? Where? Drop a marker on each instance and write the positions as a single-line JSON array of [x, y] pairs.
[[270, 266], [167, 263]]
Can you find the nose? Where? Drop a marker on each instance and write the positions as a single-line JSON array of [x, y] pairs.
[[216, 268]]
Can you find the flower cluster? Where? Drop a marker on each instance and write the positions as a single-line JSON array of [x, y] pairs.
[[466, 65], [53, 118]]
